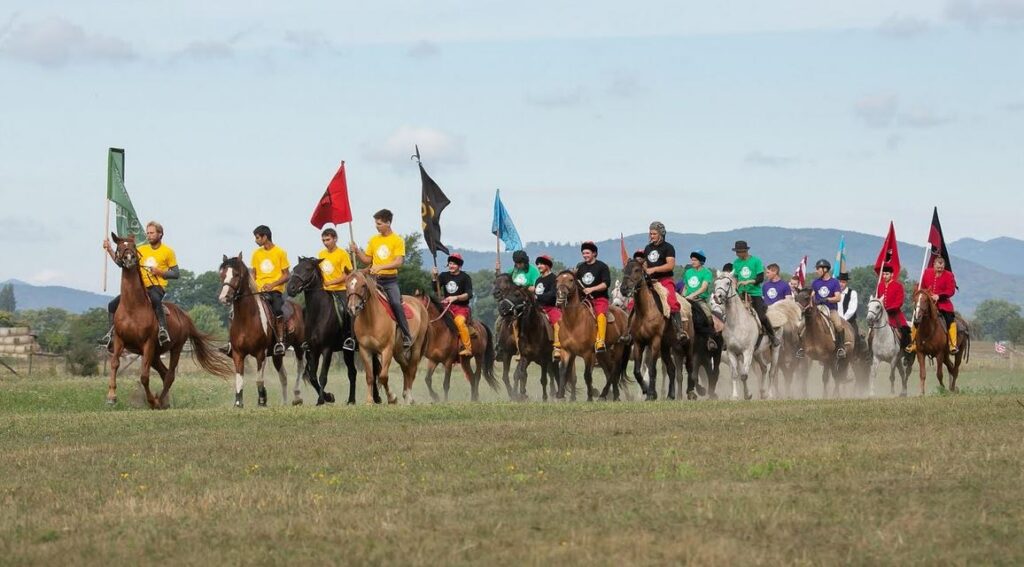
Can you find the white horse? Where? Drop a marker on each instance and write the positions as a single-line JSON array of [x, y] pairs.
[[885, 347], [742, 329]]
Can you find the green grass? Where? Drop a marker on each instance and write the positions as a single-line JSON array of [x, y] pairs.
[[898, 481]]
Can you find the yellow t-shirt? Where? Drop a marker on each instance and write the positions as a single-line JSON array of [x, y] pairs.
[[269, 265], [384, 250], [162, 258], [334, 264]]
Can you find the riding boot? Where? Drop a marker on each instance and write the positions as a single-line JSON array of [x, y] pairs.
[[602, 329], [769, 331], [467, 346], [279, 347], [840, 342], [912, 347], [161, 318], [557, 344], [677, 325], [952, 338]]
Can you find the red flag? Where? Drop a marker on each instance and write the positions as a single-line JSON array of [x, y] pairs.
[[801, 273], [889, 255], [622, 250], [333, 206], [937, 242]]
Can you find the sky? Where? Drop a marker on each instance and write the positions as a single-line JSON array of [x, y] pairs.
[[592, 118]]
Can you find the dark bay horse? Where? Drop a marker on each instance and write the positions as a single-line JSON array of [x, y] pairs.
[[443, 348], [819, 344], [519, 307], [576, 335], [135, 330], [505, 341], [327, 328], [375, 331], [252, 331], [931, 340]]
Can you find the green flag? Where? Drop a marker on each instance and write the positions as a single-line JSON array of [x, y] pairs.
[[127, 221]]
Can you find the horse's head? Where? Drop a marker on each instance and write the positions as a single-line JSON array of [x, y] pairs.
[[633, 276], [233, 275], [724, 286], [566, 287], [512, 299], [360, 285], [803, 299], [502, 283], [924, 305], [305, 275], [126, 255], [876, 311]]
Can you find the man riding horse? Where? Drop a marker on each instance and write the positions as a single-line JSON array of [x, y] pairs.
[[158, 264], [827, 291], [696, 287], [661, 261], [941, 284], [774, 289], [269, 268], [385, 252], [457, 290], [545, 290], [336, 264], [596, 278], [892, 294], [749, 273]]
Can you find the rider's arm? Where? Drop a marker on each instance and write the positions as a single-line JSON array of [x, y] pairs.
[[172, 273], [666, 269], [392, 265], [281, 280], [363, 257], [852, 310]]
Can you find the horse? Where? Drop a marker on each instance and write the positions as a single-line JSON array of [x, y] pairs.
[[791, 314], [377, 334], [576, 336], [932, 340], [519, 308], [884, 341], [505, 341], [744, 344], [649, 329], [327, 328], [443, 348], [252, 331], [818, 343], [135, 330]]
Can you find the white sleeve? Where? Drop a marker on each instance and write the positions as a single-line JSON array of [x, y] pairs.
[[852, 311]]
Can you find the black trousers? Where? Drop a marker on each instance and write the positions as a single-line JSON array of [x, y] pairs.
[[757, 302], [339, 300], [701, 324], [276, 301], [390, 285]]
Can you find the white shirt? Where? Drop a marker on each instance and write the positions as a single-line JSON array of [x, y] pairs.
[[852, 311]]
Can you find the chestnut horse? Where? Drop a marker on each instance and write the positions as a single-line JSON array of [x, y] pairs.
[[443, 348], [377, 334], [932, 340], [576, 335], [519, 308], [252, 331], [135, 330]]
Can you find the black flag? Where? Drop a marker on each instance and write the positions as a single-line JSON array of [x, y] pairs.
[[434, 201]]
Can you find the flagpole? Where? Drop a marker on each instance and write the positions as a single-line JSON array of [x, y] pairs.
[[497, 252], [106, 234], [924, 266]]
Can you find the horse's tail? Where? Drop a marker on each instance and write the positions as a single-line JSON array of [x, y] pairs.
[[207, 355], [489, 360], [967, 353]]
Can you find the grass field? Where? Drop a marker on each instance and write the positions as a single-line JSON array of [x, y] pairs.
[[899, 481]]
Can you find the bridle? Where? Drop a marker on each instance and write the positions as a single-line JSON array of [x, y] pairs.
[[236, 286], [126, 256], [360, 293], [882, 323]]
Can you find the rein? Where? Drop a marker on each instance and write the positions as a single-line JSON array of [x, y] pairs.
[[447, 307]]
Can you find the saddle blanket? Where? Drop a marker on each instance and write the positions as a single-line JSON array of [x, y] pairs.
[[387, 307]]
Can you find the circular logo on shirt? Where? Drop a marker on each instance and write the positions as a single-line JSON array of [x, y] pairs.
[[383, 252], [451, 287], [772, 293], [150, 262], [539, 290], [327, 267], [519, 279], [266, 266], [693, 282], [745, 272], [588, 278], [653, 256], [823, 291]]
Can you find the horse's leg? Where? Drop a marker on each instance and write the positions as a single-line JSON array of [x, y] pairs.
[[671, 370], [350, 366], [504, 376], [283, 377], [115, 363], [148, 353], [326, 355], [239, 359], [385, 367], [300, 368], [520, 377], [408, 377], [748, 359], [873, 371], [166, 375], [904, 371], [734, 372], [447, 379], [921, 368], [371, 386], [954, 372], [637, 355], [429, 378], [939, 363], [473, 376], [691, 376]]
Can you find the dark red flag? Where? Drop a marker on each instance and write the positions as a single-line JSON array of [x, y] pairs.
[[889, 255], [622, 250], [333, 206], [937, 242]]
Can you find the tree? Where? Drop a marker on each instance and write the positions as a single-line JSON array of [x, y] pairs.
[[7, 301], [485, 308], [191, 290], [51, 327], [207, 320], [411, 275], [83, 331], [997, 319]]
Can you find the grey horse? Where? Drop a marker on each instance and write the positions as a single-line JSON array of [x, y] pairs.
[[885, 347], [743, 343]]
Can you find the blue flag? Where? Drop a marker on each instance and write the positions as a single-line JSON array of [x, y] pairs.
[[502, 226], [840, 266]]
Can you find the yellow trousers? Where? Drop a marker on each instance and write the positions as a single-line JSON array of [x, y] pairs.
[[602, 330], [467, 346]]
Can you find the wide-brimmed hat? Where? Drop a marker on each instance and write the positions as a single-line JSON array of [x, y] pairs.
[[589, 245], [457, 258], [544, 259], [844, 277], [740, 246]]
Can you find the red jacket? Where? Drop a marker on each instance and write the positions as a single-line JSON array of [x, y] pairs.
[[893, 296], [943, 286]]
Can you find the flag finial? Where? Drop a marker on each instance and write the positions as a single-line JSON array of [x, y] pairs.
[[416, 156]]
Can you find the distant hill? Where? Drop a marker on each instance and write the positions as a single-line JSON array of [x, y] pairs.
[[1000, 254], [786, 246], [28, 296]]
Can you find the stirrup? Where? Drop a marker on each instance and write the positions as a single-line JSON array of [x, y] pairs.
[[774, 340], [406, 342], [841, 352], [466, 352], [800, 352], [162, 336], [107, 338], [911, 349], [279, 348], [626, 338], [712, 345], [953, 349], [349, 344], [599, 346]]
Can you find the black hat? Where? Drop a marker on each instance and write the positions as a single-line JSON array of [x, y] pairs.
[[520, 257], [456, 258], [589, 245], [887, 269], [823, 263], [639, 254], [544, 259], [844, 277], [727, 267], [740, 246]]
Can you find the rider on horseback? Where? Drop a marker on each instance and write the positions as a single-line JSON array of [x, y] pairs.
[[661, 261], [774, 289], [336, 265], [270, 270], [545, 289], [826, 291], [388, 254], [523, 274], [892, 294], [595, 278], [696, 287], [158, 264], [457, 288], [941, 285], [749, 273]]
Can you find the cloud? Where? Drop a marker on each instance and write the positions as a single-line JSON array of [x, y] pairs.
[[424, 49], [309, 42], [56, 42], [1014, 106], [568, 98], [48, 277], [435, 146], [903, 27], [211, 50], [19, 229], [893, 142], [923, 118], [625, 87], [978, 13], [760, 159], [877, 111]]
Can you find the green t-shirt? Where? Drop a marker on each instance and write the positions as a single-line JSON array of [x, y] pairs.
[[748, 270], [525, 278], [693, 278]]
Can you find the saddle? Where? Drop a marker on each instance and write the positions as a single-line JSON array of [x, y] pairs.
[[661, 295], [590, 308], [267, 313], [824, 312], [549, 326], [383, 298]]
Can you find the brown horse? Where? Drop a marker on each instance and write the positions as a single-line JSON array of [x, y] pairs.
[[443, 348], [252, 331], [576, 335], [135, 330], [932, 340], [519, 308], [819, 345], [505, 340], [376, 333]]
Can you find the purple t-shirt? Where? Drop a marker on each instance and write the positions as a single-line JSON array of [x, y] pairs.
[[775, 291], [825, 289]]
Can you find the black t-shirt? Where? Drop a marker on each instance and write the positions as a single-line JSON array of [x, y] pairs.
[[545, 290], [657, 256], [592, 274], [456, 284]]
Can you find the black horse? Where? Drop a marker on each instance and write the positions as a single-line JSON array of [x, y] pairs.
[[328, 329], [517, 306]]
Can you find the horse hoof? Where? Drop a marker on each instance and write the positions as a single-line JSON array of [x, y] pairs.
[[112, 401], [329, 397], [748, 397], [297, 402], [712, 396], [392, 400], [239, 405], [350, 403], [691, 395], [701, 391]]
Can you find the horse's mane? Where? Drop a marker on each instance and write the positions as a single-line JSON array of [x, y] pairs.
[[238, 264], [446, 316]]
